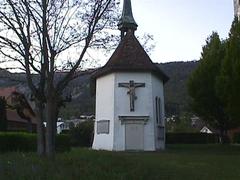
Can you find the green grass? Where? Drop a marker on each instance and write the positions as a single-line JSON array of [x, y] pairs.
[[208, 162]]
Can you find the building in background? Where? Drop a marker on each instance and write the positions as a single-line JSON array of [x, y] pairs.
[[20, 115], [237, 8]]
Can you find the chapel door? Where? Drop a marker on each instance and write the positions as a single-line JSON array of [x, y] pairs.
[[134, 136]]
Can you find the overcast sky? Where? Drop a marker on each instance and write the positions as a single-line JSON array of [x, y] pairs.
[[180, 27]]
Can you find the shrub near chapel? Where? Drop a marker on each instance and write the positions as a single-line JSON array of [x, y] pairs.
[[27, 142], [82, 134]]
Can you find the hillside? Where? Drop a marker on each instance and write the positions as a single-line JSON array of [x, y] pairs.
[[176, 97]]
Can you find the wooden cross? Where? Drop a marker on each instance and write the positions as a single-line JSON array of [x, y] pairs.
[[131, 91]]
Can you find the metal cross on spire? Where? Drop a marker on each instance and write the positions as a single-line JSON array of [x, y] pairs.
[[131, 91]]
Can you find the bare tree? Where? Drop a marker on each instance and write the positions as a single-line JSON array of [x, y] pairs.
[[48, 36]]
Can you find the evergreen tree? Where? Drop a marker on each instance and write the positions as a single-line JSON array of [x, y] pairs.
[[3, 114], [228, 82], [202, 83]]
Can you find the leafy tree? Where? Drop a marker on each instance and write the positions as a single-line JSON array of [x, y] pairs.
[[3, 114], [48, 36], [202, 83], [228, 82]]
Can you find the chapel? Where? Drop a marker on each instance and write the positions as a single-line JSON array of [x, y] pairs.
[[129, 96]]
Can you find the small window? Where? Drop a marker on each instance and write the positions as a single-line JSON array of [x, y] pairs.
[[158, 110], [103, 127]]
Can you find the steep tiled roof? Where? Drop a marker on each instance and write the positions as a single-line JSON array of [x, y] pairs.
[[131, 57]]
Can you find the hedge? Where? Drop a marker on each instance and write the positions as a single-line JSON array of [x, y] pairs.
[[191, 138], [236, 138], [27, 142], [63, 143]]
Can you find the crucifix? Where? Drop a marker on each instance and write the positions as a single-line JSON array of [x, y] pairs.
[[131, 91]]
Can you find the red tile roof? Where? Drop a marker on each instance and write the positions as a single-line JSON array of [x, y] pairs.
[[12, 115], [130, 56], [5, 92]]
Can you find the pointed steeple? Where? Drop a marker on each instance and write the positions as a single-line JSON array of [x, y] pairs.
[[127, 21]]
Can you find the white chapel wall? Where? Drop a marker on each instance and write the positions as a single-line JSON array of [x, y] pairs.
[[143, 107], [104, 111], [158, 91]]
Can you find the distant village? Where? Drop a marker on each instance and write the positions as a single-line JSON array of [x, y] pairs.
[[18, 121], [19, 118]]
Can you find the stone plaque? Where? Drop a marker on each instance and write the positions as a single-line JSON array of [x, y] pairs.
[[103, 127]]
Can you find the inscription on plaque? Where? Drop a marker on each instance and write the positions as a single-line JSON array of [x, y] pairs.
[[103, 127]]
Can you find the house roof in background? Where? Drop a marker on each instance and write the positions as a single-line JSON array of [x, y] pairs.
[[12, 115], [6, 92]]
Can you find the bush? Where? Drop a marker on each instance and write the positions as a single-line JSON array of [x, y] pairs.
[[236, 138], [82, 134], [191, 138], [17, 141], [65, 131], [63, 143], [26, 142]]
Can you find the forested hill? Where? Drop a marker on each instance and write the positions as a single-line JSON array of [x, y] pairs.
[[176, 97]]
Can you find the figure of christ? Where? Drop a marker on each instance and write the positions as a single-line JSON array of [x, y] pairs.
[[131, 91]]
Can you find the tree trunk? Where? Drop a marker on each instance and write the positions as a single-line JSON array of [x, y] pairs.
[[40, 129], [29, 125], [51, 107], [224, 139]]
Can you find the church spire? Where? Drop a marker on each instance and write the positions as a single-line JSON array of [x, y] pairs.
[[127, 21]]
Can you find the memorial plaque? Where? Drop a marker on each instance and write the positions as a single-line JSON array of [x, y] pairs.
[[103, 127]]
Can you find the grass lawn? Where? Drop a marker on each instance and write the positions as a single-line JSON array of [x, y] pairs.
[[208, 162]]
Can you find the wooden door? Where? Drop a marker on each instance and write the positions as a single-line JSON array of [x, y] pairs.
[[134, 139]]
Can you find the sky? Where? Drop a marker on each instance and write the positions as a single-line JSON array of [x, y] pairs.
[[180, 27]]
